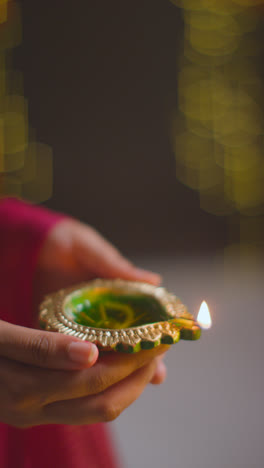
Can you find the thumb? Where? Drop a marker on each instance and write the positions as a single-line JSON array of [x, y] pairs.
[[45, 349]]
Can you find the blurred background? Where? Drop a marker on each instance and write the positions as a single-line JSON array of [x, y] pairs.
[[149, 122], [101, 80]]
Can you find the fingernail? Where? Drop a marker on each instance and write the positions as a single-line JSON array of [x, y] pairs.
[[160, 357], [161, 371], [161, 367], [148, 275], [82, 352]]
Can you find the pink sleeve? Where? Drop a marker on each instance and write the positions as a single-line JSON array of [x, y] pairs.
[[23, 229]]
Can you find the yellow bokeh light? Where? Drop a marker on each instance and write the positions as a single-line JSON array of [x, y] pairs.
[[217, 136], [3, 10], [25, 166]]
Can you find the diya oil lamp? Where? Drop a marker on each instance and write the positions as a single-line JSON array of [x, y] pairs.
[[119, 315]]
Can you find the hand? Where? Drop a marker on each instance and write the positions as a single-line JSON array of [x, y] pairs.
[[75, 252], [47, 378]]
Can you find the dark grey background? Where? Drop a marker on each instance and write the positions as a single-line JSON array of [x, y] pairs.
[[101, 79]]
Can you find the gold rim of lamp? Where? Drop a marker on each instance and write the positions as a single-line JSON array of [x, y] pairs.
[[114, 325]]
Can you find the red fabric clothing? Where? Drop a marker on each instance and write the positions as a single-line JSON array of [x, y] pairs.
[[23, 229]]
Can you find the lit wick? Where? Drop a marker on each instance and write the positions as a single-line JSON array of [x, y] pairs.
[[204, 317]]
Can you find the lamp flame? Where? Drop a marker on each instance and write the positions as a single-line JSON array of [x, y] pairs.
[[204, 317]]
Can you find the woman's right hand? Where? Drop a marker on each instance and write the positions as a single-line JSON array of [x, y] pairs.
[[48, 378]]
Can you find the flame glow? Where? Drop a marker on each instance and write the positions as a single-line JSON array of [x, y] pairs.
[[204, 317]]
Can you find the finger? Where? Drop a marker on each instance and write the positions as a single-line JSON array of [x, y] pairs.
[[114, 367], [45, 349], [160, 374], [109, 369], [103, 407], [161, 371], [98, 255]]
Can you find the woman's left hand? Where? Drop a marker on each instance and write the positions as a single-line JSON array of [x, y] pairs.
[[74, 252]]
